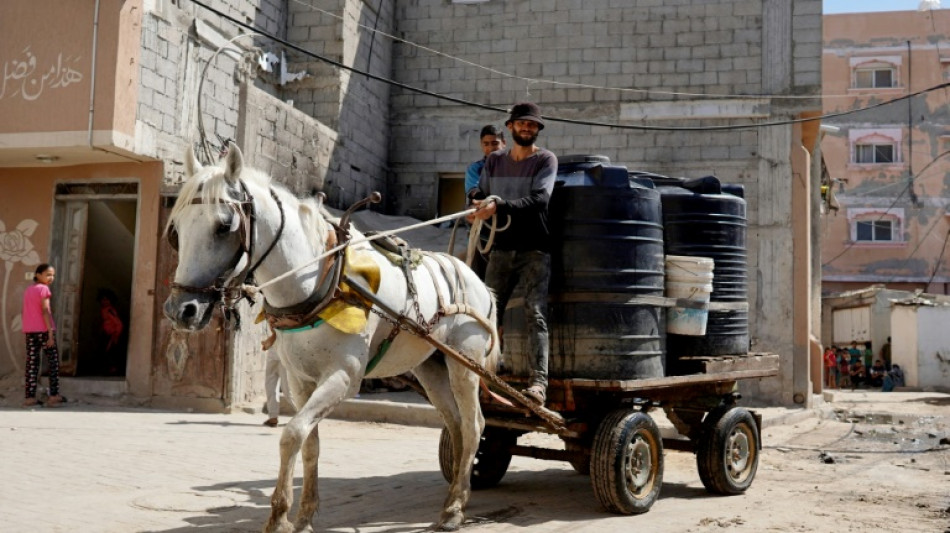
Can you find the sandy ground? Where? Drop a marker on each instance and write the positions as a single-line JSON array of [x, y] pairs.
[[872, 462]]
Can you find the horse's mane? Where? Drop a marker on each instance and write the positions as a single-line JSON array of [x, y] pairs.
[[209, 185]]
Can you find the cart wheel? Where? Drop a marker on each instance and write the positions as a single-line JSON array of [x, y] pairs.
[[727, 454], [626, 465], [581, 466], [491, 459]]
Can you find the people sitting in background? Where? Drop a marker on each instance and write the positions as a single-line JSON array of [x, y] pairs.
[[893, 378], [877, 373], [858, 373]]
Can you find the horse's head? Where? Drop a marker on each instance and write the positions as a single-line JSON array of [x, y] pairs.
[[210, 227]]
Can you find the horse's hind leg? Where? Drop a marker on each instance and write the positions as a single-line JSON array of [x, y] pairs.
[[453, 390]]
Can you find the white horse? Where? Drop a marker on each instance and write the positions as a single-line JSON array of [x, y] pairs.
[[230, 221]]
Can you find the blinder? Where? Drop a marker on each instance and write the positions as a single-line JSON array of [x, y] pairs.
[[244, 215]]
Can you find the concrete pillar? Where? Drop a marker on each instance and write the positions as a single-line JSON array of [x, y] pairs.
[[801, 270]]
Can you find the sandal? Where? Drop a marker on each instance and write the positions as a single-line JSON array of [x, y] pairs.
[[30, 402], [271, 422], [535, 392], [55, 401]]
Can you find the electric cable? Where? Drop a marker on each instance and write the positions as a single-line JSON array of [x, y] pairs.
[[939, 259], [478, 105], [534, 81]]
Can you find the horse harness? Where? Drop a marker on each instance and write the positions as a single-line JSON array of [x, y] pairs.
[[230, 288], [298, 317]]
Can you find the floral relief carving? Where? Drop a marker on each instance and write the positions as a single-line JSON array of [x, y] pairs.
[[15, 247]]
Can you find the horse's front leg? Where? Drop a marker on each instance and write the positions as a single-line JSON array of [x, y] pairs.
[[324, 399], [283, 496]]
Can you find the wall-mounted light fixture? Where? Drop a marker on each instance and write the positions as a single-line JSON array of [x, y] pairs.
[[46, 158]]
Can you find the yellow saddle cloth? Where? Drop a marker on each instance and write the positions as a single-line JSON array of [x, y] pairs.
[[340, 314]]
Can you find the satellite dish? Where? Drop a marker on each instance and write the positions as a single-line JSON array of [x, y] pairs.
[[928, 5]]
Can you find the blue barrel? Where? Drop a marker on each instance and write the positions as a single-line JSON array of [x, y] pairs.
[[706, 219], [608, 247]]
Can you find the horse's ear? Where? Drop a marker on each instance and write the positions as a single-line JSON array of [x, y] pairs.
[[192, 165], [321, 197], [233, 163]]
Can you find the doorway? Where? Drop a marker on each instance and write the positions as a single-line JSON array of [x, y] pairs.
[[451, 193], [94, 248]]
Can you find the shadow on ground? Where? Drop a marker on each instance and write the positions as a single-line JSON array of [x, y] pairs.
[[410, 502]]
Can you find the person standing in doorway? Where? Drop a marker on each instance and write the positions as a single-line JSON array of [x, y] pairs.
[[40, 330], [516, 184]]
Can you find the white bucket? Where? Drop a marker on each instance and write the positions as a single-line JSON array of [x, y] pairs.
[[688, 278]]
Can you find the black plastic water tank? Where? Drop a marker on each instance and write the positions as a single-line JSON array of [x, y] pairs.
[[608, 237], [699, 219]]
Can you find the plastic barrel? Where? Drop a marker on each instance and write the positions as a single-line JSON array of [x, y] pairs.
[[608, 247], [704, 222]]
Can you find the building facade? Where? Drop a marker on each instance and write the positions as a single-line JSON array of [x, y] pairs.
[[885, 218], [101, 112]]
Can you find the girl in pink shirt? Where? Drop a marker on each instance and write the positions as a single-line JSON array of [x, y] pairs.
[[40, 336]]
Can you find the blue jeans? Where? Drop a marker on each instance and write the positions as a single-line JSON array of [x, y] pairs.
[[533, 268]]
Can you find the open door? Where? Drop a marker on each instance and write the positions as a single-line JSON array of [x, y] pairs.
[[67, 297], [94, 254]]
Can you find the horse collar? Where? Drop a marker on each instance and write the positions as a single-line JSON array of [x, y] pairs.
[[304, 312]]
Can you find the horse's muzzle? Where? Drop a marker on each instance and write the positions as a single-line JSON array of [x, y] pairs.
[[189, 311]]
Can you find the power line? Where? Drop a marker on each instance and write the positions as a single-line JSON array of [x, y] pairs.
[[532, 81], [469, 103], [906, 187], [939, 258]]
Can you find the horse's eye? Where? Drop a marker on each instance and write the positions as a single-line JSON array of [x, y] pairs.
[[222, 229]]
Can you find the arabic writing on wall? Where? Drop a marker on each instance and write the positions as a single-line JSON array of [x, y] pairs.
[[22, 77]]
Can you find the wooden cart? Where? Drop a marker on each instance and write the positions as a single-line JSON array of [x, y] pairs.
[[609, 434]]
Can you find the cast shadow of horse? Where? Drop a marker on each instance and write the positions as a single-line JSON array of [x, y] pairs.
[[405, 502]]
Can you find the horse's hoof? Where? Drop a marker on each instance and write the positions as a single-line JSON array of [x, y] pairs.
[[284, 526], [303, 527], [452, 522]]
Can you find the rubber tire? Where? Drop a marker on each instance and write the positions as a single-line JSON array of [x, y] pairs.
[[626, 439], [727, 455], [491, 459]]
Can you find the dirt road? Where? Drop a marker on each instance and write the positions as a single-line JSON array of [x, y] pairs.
[[112, 469], [851, 472]]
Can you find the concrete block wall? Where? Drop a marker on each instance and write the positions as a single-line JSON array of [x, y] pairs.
[[172, 59], [593, 60], [355, 106]]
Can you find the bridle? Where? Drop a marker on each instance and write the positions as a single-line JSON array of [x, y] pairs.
[[229, 287]]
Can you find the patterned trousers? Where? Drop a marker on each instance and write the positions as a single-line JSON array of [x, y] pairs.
[[34, 347]]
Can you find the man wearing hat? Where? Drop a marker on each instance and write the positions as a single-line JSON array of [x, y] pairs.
[[517, 183]]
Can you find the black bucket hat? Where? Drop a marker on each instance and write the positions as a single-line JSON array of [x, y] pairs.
[[526, 111]]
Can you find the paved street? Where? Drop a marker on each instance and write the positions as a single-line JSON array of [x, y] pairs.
[[116, 469]]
